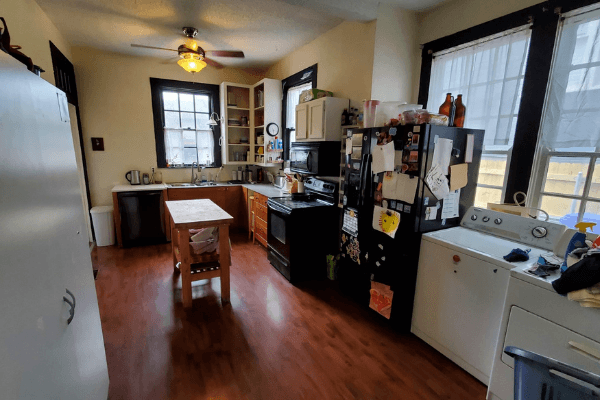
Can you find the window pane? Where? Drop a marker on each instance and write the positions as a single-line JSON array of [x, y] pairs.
[[483, 196], [186, 102], [561, 209], [189, 138], [189, 155], [173, 138], [492, 169], [187, 121], [595, 187], [202, 122], [172, 120], [170, 101], [566, 175], [592, 212], [201, 103]]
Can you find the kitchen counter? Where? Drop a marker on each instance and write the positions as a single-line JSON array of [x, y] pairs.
[[266, 189], [138, 188]]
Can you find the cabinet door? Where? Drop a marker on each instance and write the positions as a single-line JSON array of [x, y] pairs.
[[301, 121], [316, 117], [459, 303]]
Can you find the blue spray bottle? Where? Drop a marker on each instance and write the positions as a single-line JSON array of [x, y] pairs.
[[577, 241]]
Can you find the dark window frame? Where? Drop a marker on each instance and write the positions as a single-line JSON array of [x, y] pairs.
[[545, 19], [157, 86], [287, 83]]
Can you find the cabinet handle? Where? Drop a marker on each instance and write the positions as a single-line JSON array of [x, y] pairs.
[[456, 258], [72, 304], [586, 349], [220, 141]]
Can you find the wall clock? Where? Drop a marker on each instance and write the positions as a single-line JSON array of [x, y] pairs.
[[273, 129]]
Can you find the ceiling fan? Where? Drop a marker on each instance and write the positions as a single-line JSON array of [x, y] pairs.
[[193, 57]]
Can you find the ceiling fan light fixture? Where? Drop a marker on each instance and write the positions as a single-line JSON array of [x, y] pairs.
[[191, 44], [191, 62]]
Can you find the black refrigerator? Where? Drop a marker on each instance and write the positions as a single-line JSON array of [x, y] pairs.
[[370, 255]]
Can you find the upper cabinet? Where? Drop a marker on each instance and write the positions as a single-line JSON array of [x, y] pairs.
[[249, 110], [320, 119]]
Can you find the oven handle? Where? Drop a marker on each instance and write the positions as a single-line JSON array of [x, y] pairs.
[[278, 209], [308, 163]]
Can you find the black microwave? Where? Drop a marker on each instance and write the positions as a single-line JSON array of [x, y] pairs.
[[316, 158]]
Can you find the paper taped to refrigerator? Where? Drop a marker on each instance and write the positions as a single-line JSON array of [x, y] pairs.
[[399, 186], [459, 176], [383, 158], [442, 151], [437, 182], [381, 299], [469, 148], [450, 206], [386, 221]]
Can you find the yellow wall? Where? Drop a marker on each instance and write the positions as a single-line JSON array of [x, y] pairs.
[[115, 103], [345, 61], [30, 28]]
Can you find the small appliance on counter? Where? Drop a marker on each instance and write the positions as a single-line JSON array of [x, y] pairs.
[[133, 177], [302, 230]]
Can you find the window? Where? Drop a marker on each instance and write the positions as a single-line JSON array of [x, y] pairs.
[[489, 73], [292, 87], [566, 181], [181, 114]]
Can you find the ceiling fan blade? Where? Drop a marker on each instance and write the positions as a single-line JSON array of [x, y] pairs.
[[225, 53], [151, 47], [213, 63]]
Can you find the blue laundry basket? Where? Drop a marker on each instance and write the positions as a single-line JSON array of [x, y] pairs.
[[534, 379]]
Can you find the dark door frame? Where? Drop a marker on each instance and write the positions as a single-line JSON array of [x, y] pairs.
[[64, 79]]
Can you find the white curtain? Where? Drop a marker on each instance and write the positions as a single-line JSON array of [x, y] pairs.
[[293, 99], [489, 74], [187, 147], [572, 111]]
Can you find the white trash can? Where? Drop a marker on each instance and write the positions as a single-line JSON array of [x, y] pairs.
[[104, 226]]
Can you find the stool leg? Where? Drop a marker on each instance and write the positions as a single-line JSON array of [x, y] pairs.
[[186, 275], [224, 261]]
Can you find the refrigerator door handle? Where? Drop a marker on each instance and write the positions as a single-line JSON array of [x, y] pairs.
[[363, 177]]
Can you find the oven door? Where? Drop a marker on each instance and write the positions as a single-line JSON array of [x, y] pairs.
[[278, 235], [303, 160]]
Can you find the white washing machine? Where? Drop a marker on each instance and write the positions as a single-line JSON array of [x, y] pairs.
[[462, 283], [538, 319]]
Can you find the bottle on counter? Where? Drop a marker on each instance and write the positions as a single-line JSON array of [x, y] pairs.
[[459, 112], [345, 117], [446, 107], [260, 176], [158, 177], [350, 117]]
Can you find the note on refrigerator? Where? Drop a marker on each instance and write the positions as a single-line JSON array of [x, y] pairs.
[[399, 186], [383, 158], [437, 182], [450, 206], [386, 221], [459, 176], [381, 299], [441, 154], [469, 148], [348, 146]]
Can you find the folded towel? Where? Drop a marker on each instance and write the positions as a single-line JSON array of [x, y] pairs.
[[589, 297]]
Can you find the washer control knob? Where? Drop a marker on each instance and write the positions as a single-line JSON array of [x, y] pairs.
[[498, 221], [473, 217], [485, 219], [539, 232]]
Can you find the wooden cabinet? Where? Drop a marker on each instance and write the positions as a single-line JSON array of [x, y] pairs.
[[320, 119], [229, 198], [301, 121], [260, 218], [247, 111]]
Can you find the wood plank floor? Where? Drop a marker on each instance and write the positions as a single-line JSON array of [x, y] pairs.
[[274, 341]]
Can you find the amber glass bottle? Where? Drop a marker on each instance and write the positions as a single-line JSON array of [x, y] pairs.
[[459, 114], [447, 106]]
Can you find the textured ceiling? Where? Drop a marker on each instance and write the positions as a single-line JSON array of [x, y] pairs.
[[265, 30]]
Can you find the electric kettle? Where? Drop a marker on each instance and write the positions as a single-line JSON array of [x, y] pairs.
[[133, 177]]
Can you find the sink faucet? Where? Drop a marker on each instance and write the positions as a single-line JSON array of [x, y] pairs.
[[193, 179]]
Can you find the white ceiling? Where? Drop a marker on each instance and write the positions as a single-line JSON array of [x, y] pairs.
[[265, 30]]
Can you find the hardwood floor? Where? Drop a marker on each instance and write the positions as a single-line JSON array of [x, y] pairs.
[[274, 341]]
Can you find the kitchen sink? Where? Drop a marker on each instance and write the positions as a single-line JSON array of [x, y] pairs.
[[181, 184]]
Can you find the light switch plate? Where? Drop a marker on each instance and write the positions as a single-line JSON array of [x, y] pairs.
[[97, 144]]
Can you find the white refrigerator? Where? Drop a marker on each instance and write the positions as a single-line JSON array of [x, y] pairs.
[[44, 250]]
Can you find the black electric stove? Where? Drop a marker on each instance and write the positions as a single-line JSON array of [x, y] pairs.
[[302, 230]]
